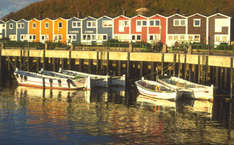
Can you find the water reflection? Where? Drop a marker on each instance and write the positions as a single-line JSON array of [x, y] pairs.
[[104, 116]]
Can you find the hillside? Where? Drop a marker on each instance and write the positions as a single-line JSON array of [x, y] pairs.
[[97, 8]]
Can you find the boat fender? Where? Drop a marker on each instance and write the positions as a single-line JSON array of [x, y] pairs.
[[157, 88], [68, 83], [25, 78]]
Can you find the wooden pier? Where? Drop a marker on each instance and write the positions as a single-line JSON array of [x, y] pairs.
[[204, 69]]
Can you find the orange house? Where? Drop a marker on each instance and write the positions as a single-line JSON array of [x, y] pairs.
[[46, 30], [60, 30], [34, 30]]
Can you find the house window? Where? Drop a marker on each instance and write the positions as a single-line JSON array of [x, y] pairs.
[[190, 37], [34, 25], [138, 37], [217, 38], [21, 25], [144, 23], [138, 23], [182, 37], [151, 37], [11, 26], [157, 22], [151, 23], [76, 24], [60, 24], [224, 38], [104, 37], [60, 37], [179, 22], [196, 38], [133, 37], [46, 25], [74, 37], [175, 37], [196, 22], [34, 37], [91, 24], [170, 37], [107, 23]]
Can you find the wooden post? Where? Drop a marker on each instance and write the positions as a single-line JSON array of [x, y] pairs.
[[44, 51], [225, 78], [174, 71], [20, 58], [199, 69], [1, 63], [28, 60], [185, 66], [119, 68], [70, 52], [231, 78], [38, 63], [162, 65], [108, 62], [54, 64], [141, 69], [190, 72], [90, 63], [178, 73], [153, 70], [217, 77]]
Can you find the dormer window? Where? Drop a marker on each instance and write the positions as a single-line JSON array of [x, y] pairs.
[[10, 26], [46, 25], [196, 22], [179, 22], [34, 25], [60, 24]]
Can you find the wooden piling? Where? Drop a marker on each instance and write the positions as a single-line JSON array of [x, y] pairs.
[[199, 70], [174, 69], [141, 68], [178, 70], [2, 45], [231, 78], [162, 65], [21, 59], [217, 77], [108, 61], [119, 67]]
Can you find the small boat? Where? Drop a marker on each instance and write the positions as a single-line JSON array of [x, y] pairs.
[[156, 90], [98, 80], [32, 79], [194, 90]]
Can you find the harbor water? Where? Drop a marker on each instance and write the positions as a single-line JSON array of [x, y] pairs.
[[118, 116]]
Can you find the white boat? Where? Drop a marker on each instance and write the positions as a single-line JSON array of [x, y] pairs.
[[156, 90], [31, 79], [196, 91], [98, 80]]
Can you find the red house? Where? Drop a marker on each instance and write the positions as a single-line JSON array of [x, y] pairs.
[[157, 29], [121, 28], [139, 28]]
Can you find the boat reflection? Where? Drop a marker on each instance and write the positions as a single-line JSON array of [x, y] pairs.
[[201, 107], [157, 104], [49, 94]]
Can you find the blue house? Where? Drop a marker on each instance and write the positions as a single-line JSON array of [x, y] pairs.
[[89, 30], [11, 30], [105, 30], [22, 30], [74, 30], [2, 29]]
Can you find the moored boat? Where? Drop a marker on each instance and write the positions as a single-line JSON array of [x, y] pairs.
[[194, 90], [156, 90], [32, 79], [98, 80]]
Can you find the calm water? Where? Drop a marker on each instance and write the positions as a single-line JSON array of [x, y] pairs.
[[35, 117]]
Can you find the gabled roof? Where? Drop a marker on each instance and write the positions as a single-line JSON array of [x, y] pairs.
[[177, 15], [74, 18], [121, 16], [34, 19], [10, 20], [105, 17], [139, 15], [157, 15], [197, 14], [219, 14], [89, 17], [60, 18], [46, 19], [22, 20]]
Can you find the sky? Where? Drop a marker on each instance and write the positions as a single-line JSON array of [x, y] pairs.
[[7, 6]]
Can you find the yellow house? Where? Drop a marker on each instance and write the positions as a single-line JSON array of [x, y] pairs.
[[34, 30], [46, 30], [60, 30]]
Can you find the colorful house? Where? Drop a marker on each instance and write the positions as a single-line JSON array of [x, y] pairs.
[[46, 30], [157, 29], [105, 31], [2, 29], [22, 30], [139, 28], [74, 30], [60, 30], [89, 30], [197, 28], [11, 30], [176, 29], [34, 30], [122, 28], [219, 29]]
